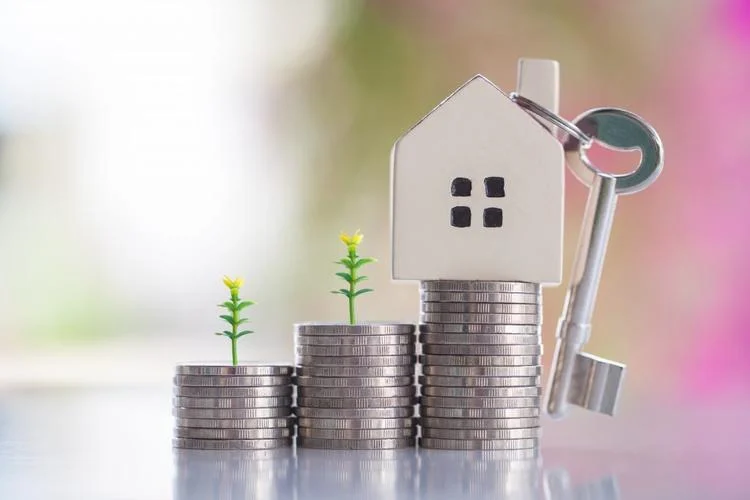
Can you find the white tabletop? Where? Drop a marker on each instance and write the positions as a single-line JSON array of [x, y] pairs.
[[113, 443]]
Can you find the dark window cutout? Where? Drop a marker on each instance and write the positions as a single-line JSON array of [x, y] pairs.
[[460, 217], [493, 217], [461, 186], [494, 187]]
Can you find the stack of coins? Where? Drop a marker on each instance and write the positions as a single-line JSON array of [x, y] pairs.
[[355, 386], [246, 407], [481, 365]]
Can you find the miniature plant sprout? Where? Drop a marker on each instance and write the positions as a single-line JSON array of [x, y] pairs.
[[352, 262], [234, 305]]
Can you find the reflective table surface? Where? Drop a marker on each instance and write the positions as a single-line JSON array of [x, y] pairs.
[[115, 444]]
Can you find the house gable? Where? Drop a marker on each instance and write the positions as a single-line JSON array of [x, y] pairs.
[[509, 225]]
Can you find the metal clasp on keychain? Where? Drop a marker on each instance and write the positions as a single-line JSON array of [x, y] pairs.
[[577, 377]]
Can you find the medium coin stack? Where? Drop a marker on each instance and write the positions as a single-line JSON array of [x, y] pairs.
[[481, 365], [246, 407], [355, 386]]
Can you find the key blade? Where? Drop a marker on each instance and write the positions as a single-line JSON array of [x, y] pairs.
[[596, 383]]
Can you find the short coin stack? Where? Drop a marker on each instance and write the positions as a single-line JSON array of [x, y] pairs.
[[355, 386], [481, 365], [246, 407]]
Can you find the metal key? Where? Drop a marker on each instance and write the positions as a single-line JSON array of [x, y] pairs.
[[579, 378]]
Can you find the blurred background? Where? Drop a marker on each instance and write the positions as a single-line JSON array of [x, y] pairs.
[[149, 147]]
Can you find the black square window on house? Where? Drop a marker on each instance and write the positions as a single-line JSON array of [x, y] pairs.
[[493, 217], [494, 187], [461, 186], [460, 217]]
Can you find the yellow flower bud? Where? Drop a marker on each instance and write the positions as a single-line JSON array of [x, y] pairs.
[[233, 284], [351, 241]]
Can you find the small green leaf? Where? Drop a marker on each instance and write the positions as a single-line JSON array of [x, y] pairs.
[[365, 260], [218, 333], [244, 332], [244, 304], [227, 333], [345, 276], [360, 279], [228, 305], [227, 318], [346, 261], [342, 291], [242, 320], [364, 290]]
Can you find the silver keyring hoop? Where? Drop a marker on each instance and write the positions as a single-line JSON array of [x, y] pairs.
[[558, 121], [619, 130]]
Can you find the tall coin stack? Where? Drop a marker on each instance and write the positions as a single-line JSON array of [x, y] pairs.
[[246, 407], [355, 386], [481, 365]]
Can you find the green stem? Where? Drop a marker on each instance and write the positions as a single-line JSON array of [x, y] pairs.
[[234, 351], [235, 319], [352, 286]]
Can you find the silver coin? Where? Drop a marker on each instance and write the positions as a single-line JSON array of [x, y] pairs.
[[481, 392], [476, 318], [480, 286], [355, 444], [481, 329], [331, 329], [477, 444], [187, 459], [198, 433], [471, 339], [233, 392], [364, 350], [481, 308], [355, 360], [398, 412], [442, 402], [479, 423], [464, 381], [483, 297], [482, 350], [428, 411], [272, 402], [527, 433], [245, 423], [332, 382], [357, 423], [355, 371], [482, 371], [225, 381], [355, 403], [232, 444], [234, 413], [359, 434], [355, 340], [479, 361], [240, 370], [356, 392]]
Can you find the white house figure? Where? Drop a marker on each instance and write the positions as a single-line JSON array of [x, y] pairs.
[[477, 192]]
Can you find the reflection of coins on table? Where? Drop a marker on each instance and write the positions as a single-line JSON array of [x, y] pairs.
[[478, 444], [356, 444], [230, 444]]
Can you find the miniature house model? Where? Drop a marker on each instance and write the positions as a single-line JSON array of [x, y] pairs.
[[478, 193]]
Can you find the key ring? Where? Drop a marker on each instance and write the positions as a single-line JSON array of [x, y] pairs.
[[558, 121], [618, 130]]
